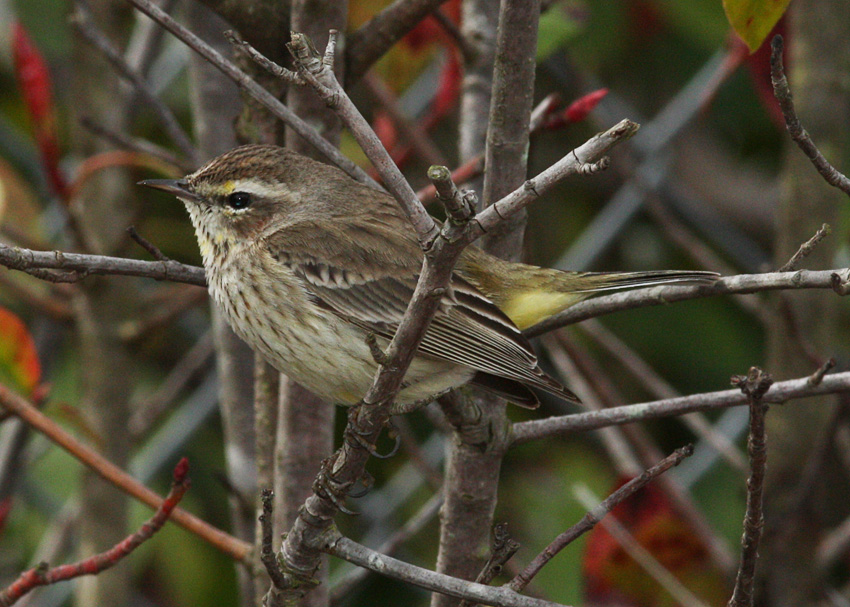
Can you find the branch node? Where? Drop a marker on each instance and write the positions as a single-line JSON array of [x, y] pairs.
[[755, 384], [330, 50], [245, 48], [592, 168], [806, 248], [839, 284], [817, 377], [378, 355]]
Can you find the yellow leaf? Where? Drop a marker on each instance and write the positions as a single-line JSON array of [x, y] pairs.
[[752, 20]]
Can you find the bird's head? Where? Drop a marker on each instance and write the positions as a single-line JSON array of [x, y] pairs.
[[240, 193]]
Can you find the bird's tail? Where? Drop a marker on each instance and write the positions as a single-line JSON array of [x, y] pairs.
[[527, 302], [613, 281]]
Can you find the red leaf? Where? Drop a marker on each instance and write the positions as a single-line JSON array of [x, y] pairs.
[[19, 364], [448, 91], [758, 64], [34, 81], [613, 577], [578, 110]]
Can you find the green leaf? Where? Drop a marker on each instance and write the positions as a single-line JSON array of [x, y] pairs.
[[752, 20]]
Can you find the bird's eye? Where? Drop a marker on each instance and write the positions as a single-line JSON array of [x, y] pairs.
[[239, 200]]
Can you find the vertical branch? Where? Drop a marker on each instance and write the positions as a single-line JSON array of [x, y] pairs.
[[215, 102], [754, 386], [819, 34], [102, 211], [305, 423], [506, 156], [481, 426], [479, 20]]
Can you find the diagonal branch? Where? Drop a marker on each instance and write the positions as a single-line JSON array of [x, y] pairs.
[[246, 83], [42, 576], [801, 137], [81, 19], [228, 544], [590, 519], [377, 36], [358, 554]]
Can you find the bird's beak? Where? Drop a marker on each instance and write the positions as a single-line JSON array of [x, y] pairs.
[[178, 187]]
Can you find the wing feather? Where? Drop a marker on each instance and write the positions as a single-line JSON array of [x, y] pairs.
[[468, 329]]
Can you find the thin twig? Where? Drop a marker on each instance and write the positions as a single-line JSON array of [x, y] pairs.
[[267, 552], [754, 386], [42, 576], [414, 525], [806, 248], [245, 82], [642, 556], [659, 388], [146, 244], [502, 549], [779, 392], [836, 280], [595, 515], [83, 22], [782, 92], [233, 547], [141, 146], [412, 131], [148, 409], [453, 32], [817, 377]]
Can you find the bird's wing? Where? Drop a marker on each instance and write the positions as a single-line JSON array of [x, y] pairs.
[[468, 329]]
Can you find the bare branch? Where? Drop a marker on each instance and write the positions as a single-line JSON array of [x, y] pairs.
[[779, 392], [324, 82], [83, 22], [576, 162], [801, 137], [353, 552], [415, 524], [753, 386], [836, 280], [412, 131], [233, 547], [140, 146], [376, 37], [42, 576], [805, 249], [642, 556], [31, 262], [255, 90], [146, 244], [595, 515]]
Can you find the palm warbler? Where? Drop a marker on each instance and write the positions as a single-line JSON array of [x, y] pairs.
[[305, 263]]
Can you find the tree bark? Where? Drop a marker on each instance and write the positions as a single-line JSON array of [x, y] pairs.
[[819, 62], [101, 213], [215, 105]]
